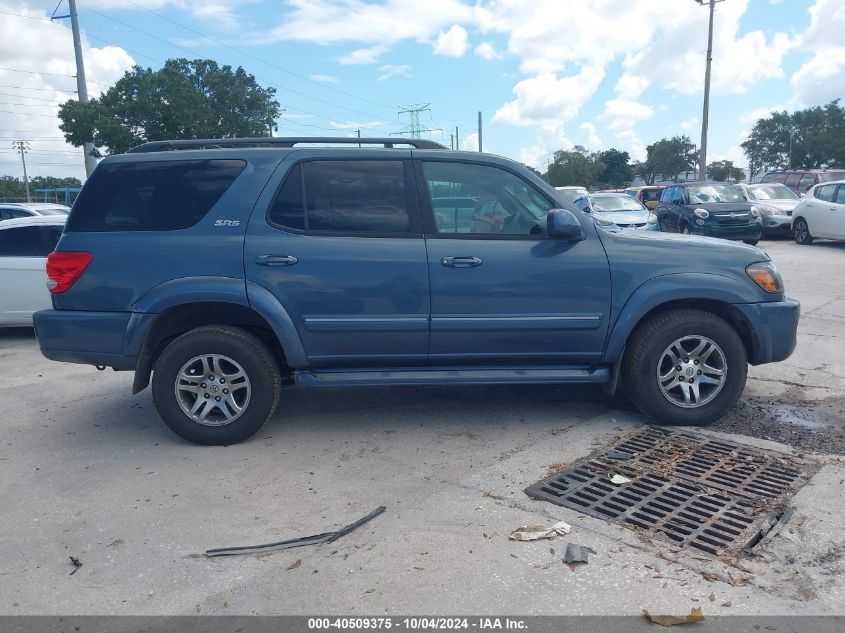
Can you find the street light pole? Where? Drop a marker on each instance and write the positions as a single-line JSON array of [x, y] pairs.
[[702, 157], [81, 85]]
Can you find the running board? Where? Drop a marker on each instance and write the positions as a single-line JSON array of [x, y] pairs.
[[453, 376]]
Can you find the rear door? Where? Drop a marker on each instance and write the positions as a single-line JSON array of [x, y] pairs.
[[23, 277], [502, 292], [669, 209], [341, 248]]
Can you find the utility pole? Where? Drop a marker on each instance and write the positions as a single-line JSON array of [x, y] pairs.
[[451, 141], [457, 141], [479, 132], [702, 157], [791, 134], [22, 147], [359, 136], [81, 85]]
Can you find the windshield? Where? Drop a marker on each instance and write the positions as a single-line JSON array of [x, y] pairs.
[[610, 204], [702, 194], [772, 192], [831, 175]]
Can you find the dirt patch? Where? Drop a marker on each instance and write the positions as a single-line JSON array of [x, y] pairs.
[[817, 426]]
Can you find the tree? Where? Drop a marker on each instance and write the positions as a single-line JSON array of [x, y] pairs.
[[576, 167], [12, 189], [644, 170], [722, 170], [811, 138], [670, 157], [617, 171], [184, 99]]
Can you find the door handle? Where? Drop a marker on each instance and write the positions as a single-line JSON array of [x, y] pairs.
[[461, 262], [276, 260]]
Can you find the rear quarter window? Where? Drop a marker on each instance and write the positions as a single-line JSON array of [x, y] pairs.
[[152, 196]]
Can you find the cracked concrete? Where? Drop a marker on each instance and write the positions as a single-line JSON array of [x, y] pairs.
[[88, 470]]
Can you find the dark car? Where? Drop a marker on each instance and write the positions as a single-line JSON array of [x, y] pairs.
[[223, 269], [713, 209], [800, 180]]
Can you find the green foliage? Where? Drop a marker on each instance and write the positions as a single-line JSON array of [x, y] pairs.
[[818, 139], [722, 170], [668, 157], [12, 189], [617, 172], [576, 167], [184, 99]]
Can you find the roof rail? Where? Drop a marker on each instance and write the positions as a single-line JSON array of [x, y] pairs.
[[281, 141]]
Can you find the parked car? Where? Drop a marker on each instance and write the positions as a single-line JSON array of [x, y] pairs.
[[12, 210], [620, 209], [570, 193], [24, 246], [800, 180], [648, 195], [775, 202], [820, 214], [714, 209], [222, 270]]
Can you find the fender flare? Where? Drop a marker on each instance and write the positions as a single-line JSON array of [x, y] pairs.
[[667, 288]]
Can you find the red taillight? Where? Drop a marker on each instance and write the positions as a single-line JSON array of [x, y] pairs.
[[64, 268]]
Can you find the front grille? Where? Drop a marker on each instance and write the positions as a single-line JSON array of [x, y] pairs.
[[688, 489], [739, 218], [638, 225]]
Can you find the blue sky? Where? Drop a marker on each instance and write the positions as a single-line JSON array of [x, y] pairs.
[[546, 74]]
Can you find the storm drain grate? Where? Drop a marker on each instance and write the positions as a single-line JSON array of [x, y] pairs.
[[688, 489]]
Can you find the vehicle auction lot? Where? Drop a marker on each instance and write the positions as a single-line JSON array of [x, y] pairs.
[[88, 470]]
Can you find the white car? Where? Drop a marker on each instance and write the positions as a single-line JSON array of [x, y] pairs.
[[24, 246], [13, 210], [571, 193], [776, 203], [821, 213]]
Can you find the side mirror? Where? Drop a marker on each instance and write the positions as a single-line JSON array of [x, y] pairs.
[[563, 224]]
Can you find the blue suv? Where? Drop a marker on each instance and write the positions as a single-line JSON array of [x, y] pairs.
[[225, 269]]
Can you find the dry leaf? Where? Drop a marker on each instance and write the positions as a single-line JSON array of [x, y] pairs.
[[371, 546], [710, 576], [369, 591], [225, 605], [712, 596], [737, 581], [295, 564], [695, 615], [726, 604]]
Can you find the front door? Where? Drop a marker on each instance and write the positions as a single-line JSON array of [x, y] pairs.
[[501, 290], [341, 248]]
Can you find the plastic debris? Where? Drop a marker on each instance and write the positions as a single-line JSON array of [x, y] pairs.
[[695, 615], [536, 532], [76, 565], [615, 454], [325, 537], [620, 479], [577, 553]]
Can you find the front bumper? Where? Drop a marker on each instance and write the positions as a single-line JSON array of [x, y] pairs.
[[777, 224], [751, 231], [89, 338], [773, 328]]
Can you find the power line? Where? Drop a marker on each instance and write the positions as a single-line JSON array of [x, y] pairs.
[[36, 72], [44, 89]]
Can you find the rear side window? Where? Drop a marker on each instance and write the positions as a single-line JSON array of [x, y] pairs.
[[825, 192], [807, 181], [349, 197], [24, 241], [152, 196], [792, 180], [840, 195]]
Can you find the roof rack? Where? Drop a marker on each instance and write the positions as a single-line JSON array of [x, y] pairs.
[[282, 141]]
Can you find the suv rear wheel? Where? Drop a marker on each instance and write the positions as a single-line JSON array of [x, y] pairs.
[[216, 385], [685, 367]]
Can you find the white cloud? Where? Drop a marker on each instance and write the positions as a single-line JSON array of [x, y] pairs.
[[356, 125], [591, 137], [452, 43], [760, 113], [821, 78], [487, 51], [324, 79], [367, 55], [389, 70], [548, 100], [689, 124], [469, 143]]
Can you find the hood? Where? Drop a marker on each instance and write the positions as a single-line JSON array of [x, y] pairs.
[[722, 207], [786, 204], [624, 217]]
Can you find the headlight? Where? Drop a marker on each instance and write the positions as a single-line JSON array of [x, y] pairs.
[[766, 210], [602, 221], [755, 211], [702, 213], [652, 219], [766, 275]]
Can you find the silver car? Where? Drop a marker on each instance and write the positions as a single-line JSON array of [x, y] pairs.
[[775, 202]]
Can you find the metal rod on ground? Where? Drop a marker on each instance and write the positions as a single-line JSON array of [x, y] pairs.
[[479, 132], [22, 147], [81, 86], [702, 157]]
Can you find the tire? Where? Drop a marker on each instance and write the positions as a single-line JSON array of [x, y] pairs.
[[751, 242], [685, 231], [231, 415], [801, 232], [645, 361]]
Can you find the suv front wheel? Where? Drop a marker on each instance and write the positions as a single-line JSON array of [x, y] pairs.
[[685, 367], [216, 385]]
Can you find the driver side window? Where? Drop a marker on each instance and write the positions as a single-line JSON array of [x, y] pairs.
[[475, 199]]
